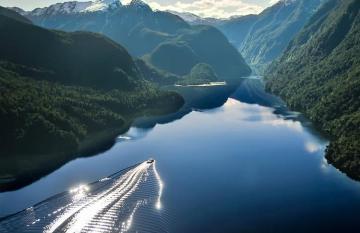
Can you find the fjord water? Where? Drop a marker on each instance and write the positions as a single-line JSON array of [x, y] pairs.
[[246, 166]]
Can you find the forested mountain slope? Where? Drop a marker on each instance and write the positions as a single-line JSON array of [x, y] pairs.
[[66, 57], [201, 44], [263, 38], [237, 29], [274, 28], [65, 93], [144, 31], [319, 74]]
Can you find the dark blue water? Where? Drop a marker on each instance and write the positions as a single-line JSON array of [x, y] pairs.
[[247, 166]]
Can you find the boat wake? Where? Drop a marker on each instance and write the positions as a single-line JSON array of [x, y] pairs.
[[128, 201]]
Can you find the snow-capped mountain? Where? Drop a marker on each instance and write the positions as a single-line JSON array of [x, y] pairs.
[[188, 17], [74, 7], [101, 5], [126, 23], [144, 32], [195, 19]]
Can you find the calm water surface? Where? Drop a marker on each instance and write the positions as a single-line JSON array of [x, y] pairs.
[[236, 168]]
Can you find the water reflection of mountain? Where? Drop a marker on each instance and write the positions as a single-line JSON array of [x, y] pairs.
[[252, 91], [247, 90], [198, 98]]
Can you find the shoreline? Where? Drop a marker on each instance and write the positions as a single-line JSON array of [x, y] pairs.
[[33, 168]]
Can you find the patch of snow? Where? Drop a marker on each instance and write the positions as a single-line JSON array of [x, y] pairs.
[[102, 5], [195, 19], [74, 7], [187, 16]]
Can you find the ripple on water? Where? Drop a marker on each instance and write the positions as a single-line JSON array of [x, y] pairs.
[[113, 204]]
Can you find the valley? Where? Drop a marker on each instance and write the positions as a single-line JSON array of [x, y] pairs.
[[252, 121]]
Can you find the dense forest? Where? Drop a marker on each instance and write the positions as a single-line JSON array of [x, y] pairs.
[[319, 75], [264, 37], [60, 117], [79, 58], [200, 44], [199, 74], [63, 94]]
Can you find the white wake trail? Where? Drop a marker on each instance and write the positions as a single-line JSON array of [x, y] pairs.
[[109, 205]]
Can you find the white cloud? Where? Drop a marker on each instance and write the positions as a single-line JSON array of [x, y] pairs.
[[212, 8]]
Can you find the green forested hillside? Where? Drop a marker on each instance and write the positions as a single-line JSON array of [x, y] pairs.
[[63, 94], [199, 74], [181, 64], [155, 75], [236, 29], [70, 58], [274, 28], [201, 44], [58, 117], [319, 74]]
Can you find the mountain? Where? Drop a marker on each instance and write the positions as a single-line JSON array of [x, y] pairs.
[[135, 25], [200, 44], [319, 75], [263, 38], [200, 74], [274, 29], [64, 94], [194, 19], [14, 15], [65, 57], [236, 29], [76, 7], [143, 31]]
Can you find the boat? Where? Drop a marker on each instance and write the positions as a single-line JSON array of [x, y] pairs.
[[151, 161]]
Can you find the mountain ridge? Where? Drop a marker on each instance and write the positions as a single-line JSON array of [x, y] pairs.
[[71, 98], [143, 32], [319, 75]]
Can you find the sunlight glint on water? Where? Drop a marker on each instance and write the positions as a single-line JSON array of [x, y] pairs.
[[109, 205]]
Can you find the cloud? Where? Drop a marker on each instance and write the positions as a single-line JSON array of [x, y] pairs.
[[212, 8]]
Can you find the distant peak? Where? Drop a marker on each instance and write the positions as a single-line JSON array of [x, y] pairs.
[[73, 7], [101, 5], [17, 9], [139, 4]]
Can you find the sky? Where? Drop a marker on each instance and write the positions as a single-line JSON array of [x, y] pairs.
[[204, 8]]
